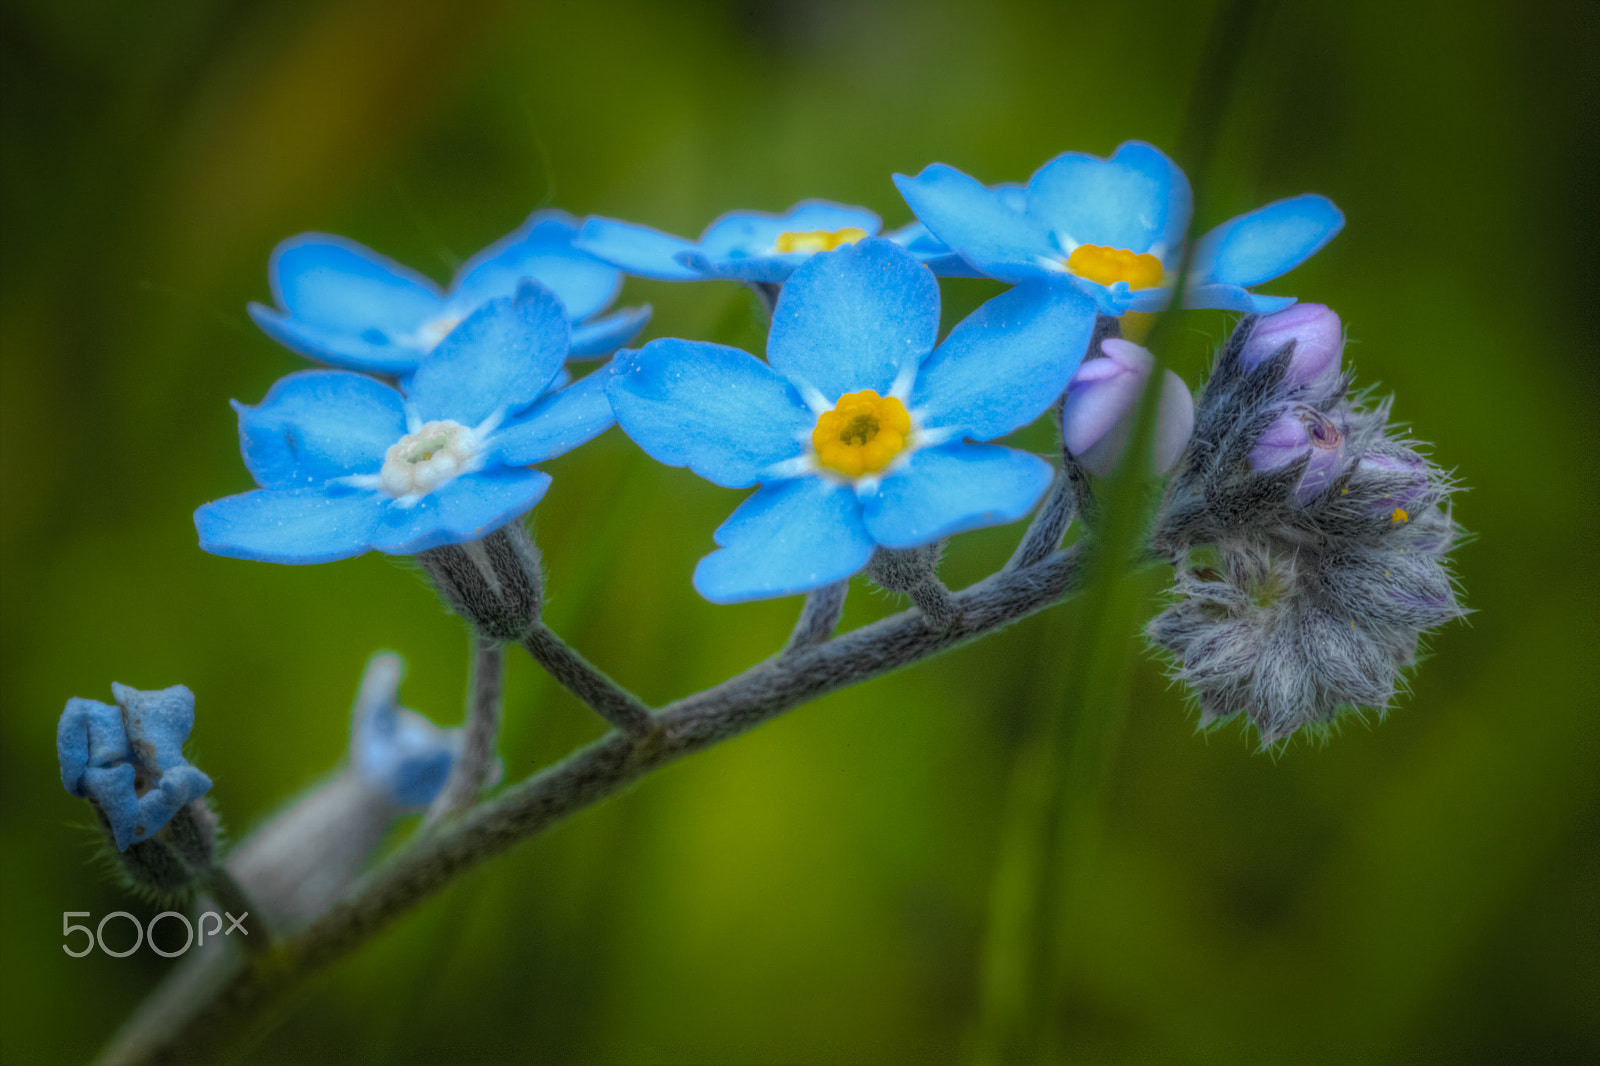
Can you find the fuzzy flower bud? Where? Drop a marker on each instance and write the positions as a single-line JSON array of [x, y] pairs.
[[1103, 400], [1316, 337], [1302, 434], [1404, 482], [127, 760]]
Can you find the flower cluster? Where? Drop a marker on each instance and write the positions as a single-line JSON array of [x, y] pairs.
[[866, 436], [1319, 534]]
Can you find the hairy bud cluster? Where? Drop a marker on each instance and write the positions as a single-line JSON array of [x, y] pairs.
[[1326, 530]]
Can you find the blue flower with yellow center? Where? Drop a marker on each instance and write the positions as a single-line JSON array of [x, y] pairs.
[[346, 463], [857, 428], [344, 304], [1114, 229], [752, 246]]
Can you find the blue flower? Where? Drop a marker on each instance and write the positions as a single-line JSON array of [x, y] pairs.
[[1115, 228], [750, 246], [129, 759], [344, 304], [856, 426], [347, 463]]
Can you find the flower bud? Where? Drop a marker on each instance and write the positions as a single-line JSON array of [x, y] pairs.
[[296, 865], [494, 583], [1317, 338], [128, 759], [1103, 400], [1405, 480], [1302, 432]]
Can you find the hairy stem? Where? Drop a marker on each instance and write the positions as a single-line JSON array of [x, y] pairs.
[[584, 778], [607, 698], [476, 757], [819, 617]]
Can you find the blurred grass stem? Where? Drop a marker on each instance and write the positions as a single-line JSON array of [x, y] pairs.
[[1050, 836]]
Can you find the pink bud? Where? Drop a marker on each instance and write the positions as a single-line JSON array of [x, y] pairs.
[[1301, 431], [1317, 336], [1103, 399]]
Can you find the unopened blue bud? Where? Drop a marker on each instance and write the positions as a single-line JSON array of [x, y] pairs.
[[395, 750], [128, 758], [1302, 433], [1103, 399], [1317, 337]]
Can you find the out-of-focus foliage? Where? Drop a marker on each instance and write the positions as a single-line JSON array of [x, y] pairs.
[[815, 892]]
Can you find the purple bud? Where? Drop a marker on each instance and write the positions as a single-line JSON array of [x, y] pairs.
[[1297, 432], [1317, 336], [1410, 479], [1103, 399]]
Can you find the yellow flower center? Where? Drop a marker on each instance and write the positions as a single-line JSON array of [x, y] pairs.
[[1111, 265], [1399, 516], [862, 434], [818, 240]]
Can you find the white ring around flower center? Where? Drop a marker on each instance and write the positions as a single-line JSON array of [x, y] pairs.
[[420, 462]]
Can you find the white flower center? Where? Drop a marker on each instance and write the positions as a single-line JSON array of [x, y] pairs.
[[429, 334], [420, 462]]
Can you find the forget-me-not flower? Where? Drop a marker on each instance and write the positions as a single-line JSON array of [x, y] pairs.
[[128, 758], [752, 246], [856, 427], [342, 303], [1115, 229], [347, 463]]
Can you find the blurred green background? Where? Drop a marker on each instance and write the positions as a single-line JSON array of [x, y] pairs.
[[817, 892]]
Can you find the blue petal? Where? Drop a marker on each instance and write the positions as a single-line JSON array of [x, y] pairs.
[[469, 507], [402, 754], [605, 335], [1220, 297], [952, 488], [291, 525], [158, 722], [374, 352], [558, 423], [500, 359], [90, 733], [719, 411], [854, 319], [316, 425], [770, 268], [1266, 242], [979, 224], [1006, 363], [179, 786], [636, 249], [933, 253], [738, 234], [790, 537], [1138, 200], [335, 284], [541, 249]]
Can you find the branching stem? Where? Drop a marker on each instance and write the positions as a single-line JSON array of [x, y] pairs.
[[585, 777], [607, 698]]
